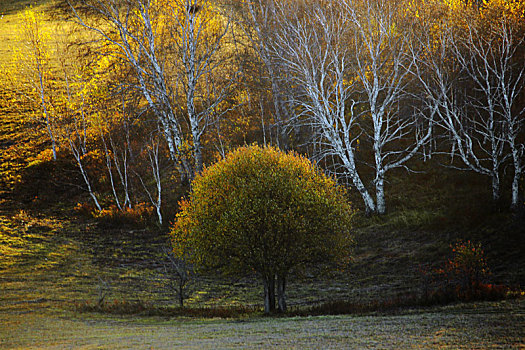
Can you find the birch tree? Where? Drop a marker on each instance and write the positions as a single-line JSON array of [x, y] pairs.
[[76, 128], [204, 66], [382, 33], [152, 151], [483, 129], [347, 65], [313, 50], [441, 77], [471, 81], [257, 18], [510, 75], [155, 38], [34, 67], [114, 134]]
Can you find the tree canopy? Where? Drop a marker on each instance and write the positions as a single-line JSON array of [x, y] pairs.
[[265, 211]]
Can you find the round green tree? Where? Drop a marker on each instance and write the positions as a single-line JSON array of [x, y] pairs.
[[265, 211]]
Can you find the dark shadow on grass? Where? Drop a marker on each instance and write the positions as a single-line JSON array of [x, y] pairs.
[[392, 306]]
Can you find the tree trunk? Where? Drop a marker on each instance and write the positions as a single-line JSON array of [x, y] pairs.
[[380, 194], [269, 293], [85, 177], [281, 297], [44, 107], [495, 187], [197, 153], [370, 207], [159, 214], [349, 164], [175, 148], [515, 204], [181, 294]]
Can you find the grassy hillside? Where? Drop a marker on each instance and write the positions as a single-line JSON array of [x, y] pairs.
[[43, 236], [56, 263], [52, 268], [10, 23], [51, 260], [18, 139]]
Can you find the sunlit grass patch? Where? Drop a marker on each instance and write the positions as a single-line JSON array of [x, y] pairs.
[[10, 24], [26, 237]]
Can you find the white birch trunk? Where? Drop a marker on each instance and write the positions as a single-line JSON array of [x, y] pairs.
[[110, 173], [38, 51], [380, 193], [510, 75], [516, 197], [78, 154], [261, 16], [47, 117], [154, 163]]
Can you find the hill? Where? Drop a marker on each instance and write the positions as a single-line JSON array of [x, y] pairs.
[[72, 277], [56, 257]]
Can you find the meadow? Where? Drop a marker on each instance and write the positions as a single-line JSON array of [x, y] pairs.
[[473, 326]]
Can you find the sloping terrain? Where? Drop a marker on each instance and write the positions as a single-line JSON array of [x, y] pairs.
[[54, 262]]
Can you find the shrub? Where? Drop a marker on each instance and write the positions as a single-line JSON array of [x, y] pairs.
[[140, 215], [467, 267], [117, 306], [261, 210], [139, 307], [462, 277]]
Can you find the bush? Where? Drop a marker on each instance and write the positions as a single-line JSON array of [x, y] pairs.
[[126, 307], [467, 267], [117, 306], [261, 210], [462, 277], [140, 215]]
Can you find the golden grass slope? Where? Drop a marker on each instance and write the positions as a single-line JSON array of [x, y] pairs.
[[10, 22]]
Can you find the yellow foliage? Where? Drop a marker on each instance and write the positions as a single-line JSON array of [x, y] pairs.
[[260, 208], [44, 156], [455, 5], [495, 11]]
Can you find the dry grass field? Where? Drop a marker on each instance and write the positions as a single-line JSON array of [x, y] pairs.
[[474, 326], [10, 24]]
